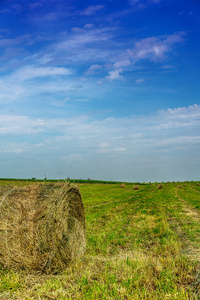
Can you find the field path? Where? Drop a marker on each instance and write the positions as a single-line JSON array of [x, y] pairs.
[[190, 211], [192, 252]]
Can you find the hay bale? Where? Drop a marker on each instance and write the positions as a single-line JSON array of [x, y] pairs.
[[136, 187], [160, 186], [123, 185], [42, 227]]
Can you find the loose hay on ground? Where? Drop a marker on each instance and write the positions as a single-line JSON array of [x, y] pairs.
[[42, 227]]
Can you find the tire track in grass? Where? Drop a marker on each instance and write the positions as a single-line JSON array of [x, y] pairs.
[[192, 253], [134, 195], [190, 211], [194, 214]]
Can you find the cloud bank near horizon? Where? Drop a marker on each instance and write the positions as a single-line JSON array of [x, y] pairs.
[[83, 144]]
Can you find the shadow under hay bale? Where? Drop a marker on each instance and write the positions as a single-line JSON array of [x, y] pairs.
[[42, 227]]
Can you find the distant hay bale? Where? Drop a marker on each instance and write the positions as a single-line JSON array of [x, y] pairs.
[[123, 185], [180, 187], [42, 227], [136, 187], [160, 186]]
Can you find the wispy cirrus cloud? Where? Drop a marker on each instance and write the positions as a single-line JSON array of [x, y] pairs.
[[155, 48], [93, 69], [31, 72], [91, 10], [143, 3], [35, 5], [140, 80], [122, 63], [10, 42], [85, 38], [170, 119]]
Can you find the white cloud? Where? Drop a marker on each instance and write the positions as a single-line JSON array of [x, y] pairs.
[[143, 3], [91, 10], [120, 149], [139, 80], [110, 128], [31, 72], [17, 41], [122, 63], [88, 26], [115, 75], [76, 41], [155, 48], [35, 5], [93, 69], [133, 2], [104, 145]]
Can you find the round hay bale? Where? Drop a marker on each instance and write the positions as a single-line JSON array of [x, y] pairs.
[[123, 185], [136, 187], [160, 186], [42, 227]]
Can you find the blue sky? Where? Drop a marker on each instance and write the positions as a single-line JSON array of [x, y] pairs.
[[100, 89]]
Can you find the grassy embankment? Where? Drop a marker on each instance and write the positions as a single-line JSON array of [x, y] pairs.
[[141, 244]]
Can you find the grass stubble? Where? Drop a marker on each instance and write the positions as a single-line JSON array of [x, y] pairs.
[[141, 244]]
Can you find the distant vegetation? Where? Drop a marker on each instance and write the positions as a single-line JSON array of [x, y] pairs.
[[60, 180]]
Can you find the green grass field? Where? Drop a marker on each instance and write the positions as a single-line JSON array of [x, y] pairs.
[[141, 244]]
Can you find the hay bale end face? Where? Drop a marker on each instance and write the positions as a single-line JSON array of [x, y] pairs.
[[42, 227]]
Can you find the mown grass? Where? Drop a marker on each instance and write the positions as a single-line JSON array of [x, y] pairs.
[[137, 248]]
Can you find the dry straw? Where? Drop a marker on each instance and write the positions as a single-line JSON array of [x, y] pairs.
[[160, 186], [42, 227], [123, 185]]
